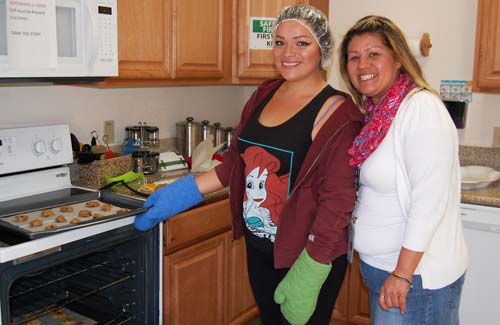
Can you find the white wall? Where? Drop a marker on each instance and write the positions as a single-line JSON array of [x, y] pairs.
[[85, 109], [452, 28]]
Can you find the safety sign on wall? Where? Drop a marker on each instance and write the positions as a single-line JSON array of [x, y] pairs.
[[261, 33]]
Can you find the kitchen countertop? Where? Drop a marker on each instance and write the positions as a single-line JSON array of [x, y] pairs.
[[165, 177], [485, 196]]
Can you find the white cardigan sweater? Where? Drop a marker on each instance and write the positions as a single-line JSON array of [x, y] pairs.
[[428, 187]]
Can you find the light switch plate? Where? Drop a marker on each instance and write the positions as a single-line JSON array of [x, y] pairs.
[[109, 131], [496, 137]]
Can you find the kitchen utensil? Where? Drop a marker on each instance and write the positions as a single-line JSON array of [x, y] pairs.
[[188, 136]]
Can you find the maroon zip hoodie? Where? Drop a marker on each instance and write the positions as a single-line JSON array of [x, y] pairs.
[[316, 214]]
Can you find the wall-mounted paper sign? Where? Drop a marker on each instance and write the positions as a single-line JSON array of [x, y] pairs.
[[261, 33], [31, 33]]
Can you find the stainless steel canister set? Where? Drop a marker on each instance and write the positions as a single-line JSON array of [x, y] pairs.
[[140, 139], [190, 133]]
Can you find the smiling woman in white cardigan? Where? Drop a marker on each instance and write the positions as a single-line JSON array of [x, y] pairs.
[[407, 225]]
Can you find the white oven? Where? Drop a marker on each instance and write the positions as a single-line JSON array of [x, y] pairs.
[[99, 270], [481, 291], [58, 39]]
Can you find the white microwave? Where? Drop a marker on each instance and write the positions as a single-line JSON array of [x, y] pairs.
[[58, 40]]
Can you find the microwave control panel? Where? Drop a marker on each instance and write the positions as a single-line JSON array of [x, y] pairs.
[[28, 148], [107, 24]]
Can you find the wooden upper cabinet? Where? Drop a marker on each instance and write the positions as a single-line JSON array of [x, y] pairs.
[[173, 42], [487, 54], [252, 66], [144, 38], [202, 38]]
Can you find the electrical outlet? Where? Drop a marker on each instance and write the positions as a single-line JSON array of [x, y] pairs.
[[496, 137], [109, 131]]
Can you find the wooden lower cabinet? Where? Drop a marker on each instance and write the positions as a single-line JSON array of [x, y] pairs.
[[205, 278], [353, 305], [195, 285]]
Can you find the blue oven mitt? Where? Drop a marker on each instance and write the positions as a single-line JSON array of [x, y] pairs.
[[169, 201], [298, 292]]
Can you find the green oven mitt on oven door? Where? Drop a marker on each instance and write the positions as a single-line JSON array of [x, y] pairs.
[[168, 201], [298, 292]]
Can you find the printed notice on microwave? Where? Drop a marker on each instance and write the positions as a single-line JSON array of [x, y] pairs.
[[31, 33]]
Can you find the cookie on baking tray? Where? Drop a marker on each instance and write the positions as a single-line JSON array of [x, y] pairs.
[[92, 204], [47, 213], [85, 213], [21, 218], [66, 208]]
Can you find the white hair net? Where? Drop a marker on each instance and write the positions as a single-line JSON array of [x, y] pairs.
[[316, 22]]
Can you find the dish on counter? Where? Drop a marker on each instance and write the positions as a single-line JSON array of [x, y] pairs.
[[477, 177]]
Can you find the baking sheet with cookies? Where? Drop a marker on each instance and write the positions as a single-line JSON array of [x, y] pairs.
[[62, 316], [55, 219]]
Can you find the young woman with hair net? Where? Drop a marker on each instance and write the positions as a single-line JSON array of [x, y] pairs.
[[291, 187]]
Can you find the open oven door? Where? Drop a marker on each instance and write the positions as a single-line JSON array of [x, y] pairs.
[[109, 278]]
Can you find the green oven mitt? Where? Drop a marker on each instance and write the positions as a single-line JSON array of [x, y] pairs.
[[298, 292]]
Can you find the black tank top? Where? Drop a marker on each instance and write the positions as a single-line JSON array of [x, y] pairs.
[[273, 157]]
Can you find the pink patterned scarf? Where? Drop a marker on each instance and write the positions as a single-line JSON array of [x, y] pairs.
[[378, 119]]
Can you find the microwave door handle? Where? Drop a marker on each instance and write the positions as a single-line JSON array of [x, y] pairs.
[[93, 39]]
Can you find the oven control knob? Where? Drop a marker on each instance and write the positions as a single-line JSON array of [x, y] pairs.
[[39, 147], [56, 145]]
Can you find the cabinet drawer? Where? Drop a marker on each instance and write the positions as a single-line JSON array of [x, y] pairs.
[[195, 225]]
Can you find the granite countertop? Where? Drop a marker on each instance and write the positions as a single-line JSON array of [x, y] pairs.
[[485, 196], [481, 156]]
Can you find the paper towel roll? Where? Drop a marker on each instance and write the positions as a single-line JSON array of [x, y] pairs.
[[415, 47]]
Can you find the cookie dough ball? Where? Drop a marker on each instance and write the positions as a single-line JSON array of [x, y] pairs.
[[106, 207], [21, 218], [98, 215], [66, 208], [47, 213], [69, 321], [36, 223], [51, 226], [60, 219], [75, 221], [85, 213], [92, 204], [58, 314]]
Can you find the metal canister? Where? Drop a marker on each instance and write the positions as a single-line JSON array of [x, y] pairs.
[[134, 135], [151, 161], [229, 135], [219, 134], [188, 136], [206, 130], [152, 135]]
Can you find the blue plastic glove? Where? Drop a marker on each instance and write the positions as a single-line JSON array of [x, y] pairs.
[[298, 292], [169, 201]]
